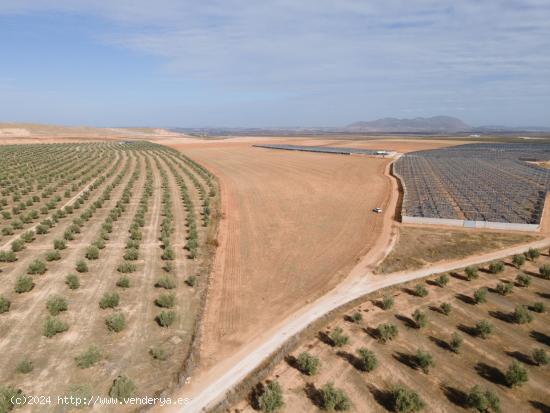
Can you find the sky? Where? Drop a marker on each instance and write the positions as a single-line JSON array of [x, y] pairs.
[[273, 63]]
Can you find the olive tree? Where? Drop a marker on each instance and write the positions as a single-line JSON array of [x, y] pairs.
[[442, 280], [366, 359], [533, 254], [471, 273], [387, 332], [518, 260], [544, 271], [307, 363], [480, 295], [483, 400], [338, 338], [424, 360], [455, 343], [484, 329], [516, 375], [334, 399], [404, 400], [540, 357], [496, 267], [271, 398], [522, 315], [420, 318], [523, 280]]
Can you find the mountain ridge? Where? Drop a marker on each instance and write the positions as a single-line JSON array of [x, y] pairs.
[[431, 124]]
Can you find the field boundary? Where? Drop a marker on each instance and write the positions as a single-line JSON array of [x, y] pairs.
[[193, 356]]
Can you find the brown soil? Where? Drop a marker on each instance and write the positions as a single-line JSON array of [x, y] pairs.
[[295, 224], [480, 361], [419, 246]]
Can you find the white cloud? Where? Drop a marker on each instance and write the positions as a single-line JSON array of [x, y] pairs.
[[421, 48], [320, 39]]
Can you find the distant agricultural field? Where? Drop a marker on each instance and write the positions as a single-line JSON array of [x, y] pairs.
[[105, 249]]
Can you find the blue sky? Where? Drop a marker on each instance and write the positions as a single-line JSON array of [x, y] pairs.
[[273, 62]]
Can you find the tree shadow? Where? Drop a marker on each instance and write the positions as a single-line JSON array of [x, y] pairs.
[[292, 362], [490, 373], [465, 298], [409, 322], [254, 395], [541, 407], [373, 332], [324, 337], [534, 274], [532, 308], [409, 291], [500, 315], [349, 319], [382, 397], [407, 359], [314, 395], [435, 309], [522, 357], [432, 282], [540, 337], [472, 331], [440, 343], [492, 290], [544, 295], [458, 276], [350, 358], [455, 396]]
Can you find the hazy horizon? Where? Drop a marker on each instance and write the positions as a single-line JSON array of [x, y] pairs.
[[273, 64]]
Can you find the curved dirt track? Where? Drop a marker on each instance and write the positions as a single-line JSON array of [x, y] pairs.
[[294, 225]]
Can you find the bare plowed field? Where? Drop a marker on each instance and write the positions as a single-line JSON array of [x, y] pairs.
[[294, 225]]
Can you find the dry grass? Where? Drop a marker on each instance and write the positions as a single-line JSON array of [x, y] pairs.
[[420, 246]]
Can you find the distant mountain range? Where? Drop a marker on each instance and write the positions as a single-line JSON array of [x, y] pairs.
[[435, 124]]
